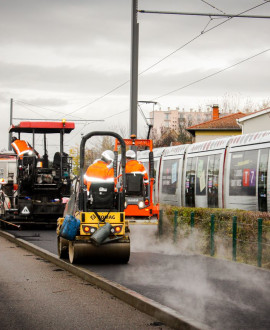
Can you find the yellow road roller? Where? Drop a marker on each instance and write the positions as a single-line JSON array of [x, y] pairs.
[[93, 228]]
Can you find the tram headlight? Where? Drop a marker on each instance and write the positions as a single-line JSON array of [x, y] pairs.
[[141, 205]]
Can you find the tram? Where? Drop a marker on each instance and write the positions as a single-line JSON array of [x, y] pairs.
[[223, 173]]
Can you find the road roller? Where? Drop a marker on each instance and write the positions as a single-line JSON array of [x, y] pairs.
[[93, 228]]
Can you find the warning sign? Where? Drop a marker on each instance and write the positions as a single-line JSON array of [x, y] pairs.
[[25, 210]]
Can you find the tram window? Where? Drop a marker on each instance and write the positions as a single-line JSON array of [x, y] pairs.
[[201, 176], [170, 176], [190, 182], [243, 173], [262, 180], [212, 184]]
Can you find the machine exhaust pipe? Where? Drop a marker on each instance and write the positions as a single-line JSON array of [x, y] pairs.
[[101, 234]]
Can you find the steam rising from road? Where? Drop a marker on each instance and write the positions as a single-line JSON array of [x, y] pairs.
[[219, 293]]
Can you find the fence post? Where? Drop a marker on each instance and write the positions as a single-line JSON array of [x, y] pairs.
[[192, 220], [175, 226], [160, 223], [212, 243], [234, 239], [259, 256]]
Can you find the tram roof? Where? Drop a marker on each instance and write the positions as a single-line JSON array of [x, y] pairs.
[[209, 145], [143, 154], [47, 127], [158, 151], [175, 150], [251, 138]]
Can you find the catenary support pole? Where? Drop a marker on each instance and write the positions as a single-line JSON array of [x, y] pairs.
[[134, 68], [10, 122]]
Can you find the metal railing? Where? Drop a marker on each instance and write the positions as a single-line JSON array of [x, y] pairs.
[[235, 232]]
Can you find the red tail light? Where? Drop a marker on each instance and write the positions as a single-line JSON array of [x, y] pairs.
[[146, 202], [86, 229], [118, 229]]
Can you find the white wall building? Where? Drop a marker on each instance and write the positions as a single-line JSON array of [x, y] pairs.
[[255, 122]]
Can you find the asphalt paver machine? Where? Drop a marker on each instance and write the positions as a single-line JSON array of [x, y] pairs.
[[93, 228], [139, 199], [39, 188]]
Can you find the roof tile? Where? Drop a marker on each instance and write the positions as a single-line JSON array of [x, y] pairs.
[[226, 122]]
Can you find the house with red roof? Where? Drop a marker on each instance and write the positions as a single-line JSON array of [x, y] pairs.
[[218, 127]]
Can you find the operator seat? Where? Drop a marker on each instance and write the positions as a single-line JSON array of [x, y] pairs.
[[101, 195], [134, 184]]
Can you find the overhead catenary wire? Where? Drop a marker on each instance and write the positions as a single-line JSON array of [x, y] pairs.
[[142, 114], [26, 107], [40, 107], [209, 4], [212, 74], [195, 38], [165, 57], [159, 61]]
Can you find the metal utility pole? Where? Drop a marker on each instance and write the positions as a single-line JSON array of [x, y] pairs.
[[134, 68], [10, 122]]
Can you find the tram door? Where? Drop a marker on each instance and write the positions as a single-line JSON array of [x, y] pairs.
[[262, 180], [212, 180], [190, 182]]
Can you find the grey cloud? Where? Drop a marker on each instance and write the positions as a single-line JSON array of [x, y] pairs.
[[94, 37], [63, 79], [61, 22], [248, 78]]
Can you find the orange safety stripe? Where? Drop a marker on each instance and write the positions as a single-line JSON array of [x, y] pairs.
[[98, 172], [21, 147], [134, 166]]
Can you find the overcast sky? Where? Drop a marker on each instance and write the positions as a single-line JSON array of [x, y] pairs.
[[59, 58]]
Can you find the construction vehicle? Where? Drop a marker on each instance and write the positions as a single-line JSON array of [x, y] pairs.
[[7, 173], [139, 200], [96, 218], [36, 188]]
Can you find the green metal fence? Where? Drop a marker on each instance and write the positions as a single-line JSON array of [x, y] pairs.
[[183, 226]]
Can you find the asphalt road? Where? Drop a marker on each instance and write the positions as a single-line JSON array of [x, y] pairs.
[[36, 294], [220, 294]]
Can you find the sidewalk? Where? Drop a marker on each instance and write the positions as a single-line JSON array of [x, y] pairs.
[[35, 294]]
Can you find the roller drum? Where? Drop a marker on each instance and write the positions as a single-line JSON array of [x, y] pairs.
[[85, 252], [62, 247]]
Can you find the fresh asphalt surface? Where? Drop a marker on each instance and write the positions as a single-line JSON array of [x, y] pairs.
[[220, 294], [36, 294]]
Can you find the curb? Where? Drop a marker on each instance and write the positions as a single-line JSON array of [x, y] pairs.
[[148, 306]]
